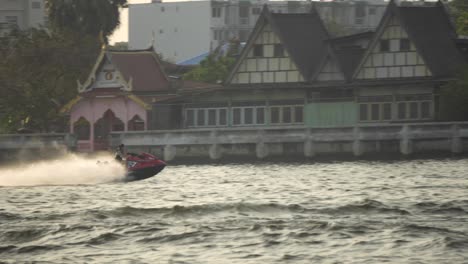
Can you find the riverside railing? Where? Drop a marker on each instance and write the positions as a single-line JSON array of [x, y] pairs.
[[405, 138]]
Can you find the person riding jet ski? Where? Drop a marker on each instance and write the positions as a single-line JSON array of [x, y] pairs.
[[120, 153]]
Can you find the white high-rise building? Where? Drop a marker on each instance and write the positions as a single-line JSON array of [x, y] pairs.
[[183, 30], [22, 14]]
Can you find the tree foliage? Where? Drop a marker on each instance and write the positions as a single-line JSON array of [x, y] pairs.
[[39, 67], [454, 98], [211, 70], [459, 10], [38, 73], [88, 17], [454, 95], [216, 67]]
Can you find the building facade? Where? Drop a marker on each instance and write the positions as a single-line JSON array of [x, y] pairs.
[[292, 72], [21, 14], [121, 94], [116, 97], [184, 30]]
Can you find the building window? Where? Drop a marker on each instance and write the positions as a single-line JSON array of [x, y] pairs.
[[360, 10], [12, 21], [404, 44], [414, 107], [190, 117], [162, 9], [375, 108], [249, 115], [256, 10], [81, 129], [275, 115], [384, 45], [35, 5], [258, 50], [363, 112], [425, 110], [387, 111], [278, 50], [243, 11], [161, 31], [177, 9], [260, 115], [222, 117], [372, 10], [401, 110], [375, 112], [202, 117], [216, 12], [211, 117], [299, 114], [136, 124], [286, 114]]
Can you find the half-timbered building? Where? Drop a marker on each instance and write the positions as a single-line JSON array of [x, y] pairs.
[[293, 72]]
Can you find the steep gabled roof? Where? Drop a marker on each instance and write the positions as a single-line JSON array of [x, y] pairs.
[[303, 36], [349, 58], [434, 37], [430, 29], [142, 67]]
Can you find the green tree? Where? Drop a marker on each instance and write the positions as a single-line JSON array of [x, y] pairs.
[[211, 70], [453, 99], [459, 11], [38, 73], [87, 17], [216, 67]]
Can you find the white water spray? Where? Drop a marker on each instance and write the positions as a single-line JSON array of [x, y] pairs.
[[71, 169]]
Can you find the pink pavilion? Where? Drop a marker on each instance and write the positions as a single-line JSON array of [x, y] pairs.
[[116, 96]]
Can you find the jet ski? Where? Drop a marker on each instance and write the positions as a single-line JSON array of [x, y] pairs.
[[142, 166]]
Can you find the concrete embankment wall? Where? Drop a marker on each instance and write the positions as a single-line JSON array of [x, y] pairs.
[[14, 147], [250, 144], [299, 142]]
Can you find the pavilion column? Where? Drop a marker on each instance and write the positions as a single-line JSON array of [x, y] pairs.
[[91, 125], [91, 136]]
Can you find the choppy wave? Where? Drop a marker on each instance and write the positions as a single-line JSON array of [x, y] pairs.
[[308, 213]]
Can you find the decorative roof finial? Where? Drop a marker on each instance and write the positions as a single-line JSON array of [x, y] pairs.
[[153, 39], [101, 39]]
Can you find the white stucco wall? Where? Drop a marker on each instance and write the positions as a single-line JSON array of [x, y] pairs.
[[27, 16], [181, 29]]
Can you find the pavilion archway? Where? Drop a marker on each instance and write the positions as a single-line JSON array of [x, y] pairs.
[[103, 127], [136, 124]]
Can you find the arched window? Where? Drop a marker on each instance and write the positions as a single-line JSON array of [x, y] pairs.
[[136, 124], [81, 129], [108, 123]]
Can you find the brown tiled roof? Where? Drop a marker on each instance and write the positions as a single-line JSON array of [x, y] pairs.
[[143, 68]]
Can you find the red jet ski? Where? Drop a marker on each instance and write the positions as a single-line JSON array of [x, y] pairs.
[[142, 166]]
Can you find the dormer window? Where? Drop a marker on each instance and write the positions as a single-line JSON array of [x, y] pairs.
[[404, 44], [278, 50], [384, 45], [258, 50]]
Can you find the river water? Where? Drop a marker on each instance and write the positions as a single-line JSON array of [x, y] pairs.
[[337, 212]]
